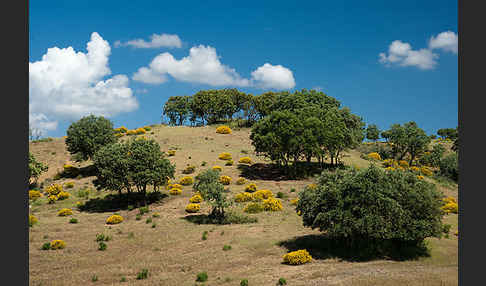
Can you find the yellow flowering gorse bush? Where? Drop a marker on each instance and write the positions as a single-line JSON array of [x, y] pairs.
[[62, 196], [294, 201], [374, 156], [272, 204], [223, 129], [175, 191], [171, 152], [197, 198], [65, 212], [426, 171], [245, 160], [217, 168], [261, 195], [34, 195], [225, 180], [297, 257], [53, 189], [403, 163], [114, 219], [251, 188], [32, 220], [193, 208], [243, 197], [224, 156], [187, 180], [57, 244], [51, 199]]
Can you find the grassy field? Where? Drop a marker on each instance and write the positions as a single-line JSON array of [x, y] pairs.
[[174, 252]]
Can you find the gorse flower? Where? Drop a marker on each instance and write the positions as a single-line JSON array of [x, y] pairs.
[[197, 198], [253, 207], [53, 189], [114, 219], [245, 160], [217, 168], [34, 195], [32, 220], [297, 257], [374, 156], [251, 188], [193, 208], [57, 244], [223, 129], [272, 204], [224, 156], [241, 181], [294, 201], [261, 195], [243, 197], [225, 180], [185, 181], [62, 196], [175, 191], [65, 212]]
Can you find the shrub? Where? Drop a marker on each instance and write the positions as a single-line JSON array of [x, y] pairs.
[[197, 198], [448, 167], [390, 163], [251, 188], [53, 189], [217, 168], [102, 246], [46, 246], [373, 205], [253, 207], [420, 177], [244, 282], [450, 205], [147, 128], [149, 220], [140, 130], [311, 186], [245, 160], [34, 195], [155, 215], [132, 132], [403, 163], [57, 244], [202, 277], [171, 152], [62, 196], [73, 220], [185, 181], [69, 185], [415, 169], [52, 199], [143, 210], [114, 219], [204, 235], [223, 129], [204, 163], [426, 171], [142, 274], [193, 208], [189, 169], [282, 281], [94, 278], [243, 197], [224, 156], [281, 195], [225, 180], [35, 169], [121, 129], [297, 257], [272, 204], [241, 181], [174, 186], [261, 195], [175, 191], [294, 201], [226, 247], [229, 163], [32, 220], [65, 212], [374, 156]]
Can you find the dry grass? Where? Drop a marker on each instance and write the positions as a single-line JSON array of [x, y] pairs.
[[173, 251]]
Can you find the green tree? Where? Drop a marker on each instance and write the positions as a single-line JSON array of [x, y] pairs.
[[207, 183], [112, 163], [148, 165], [449, 133], [177, 109], [36, 168], [433, 158], [449, 166], [88, 135], [408, 138], [372, 205], [372, 132]]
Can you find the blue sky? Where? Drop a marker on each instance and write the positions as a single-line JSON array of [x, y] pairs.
[[331, 46]]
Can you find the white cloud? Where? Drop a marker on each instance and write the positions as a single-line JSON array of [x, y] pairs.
[[446, 41], [401, 54], [203, 65], [269, 76], [67, 85], [156, 41], [41, 123]]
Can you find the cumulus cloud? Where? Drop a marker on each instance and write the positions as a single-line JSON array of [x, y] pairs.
[[156, 41], [40, 123], [446, 41], [67, 85], [402, 54], [203, 65], [269, 76]]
